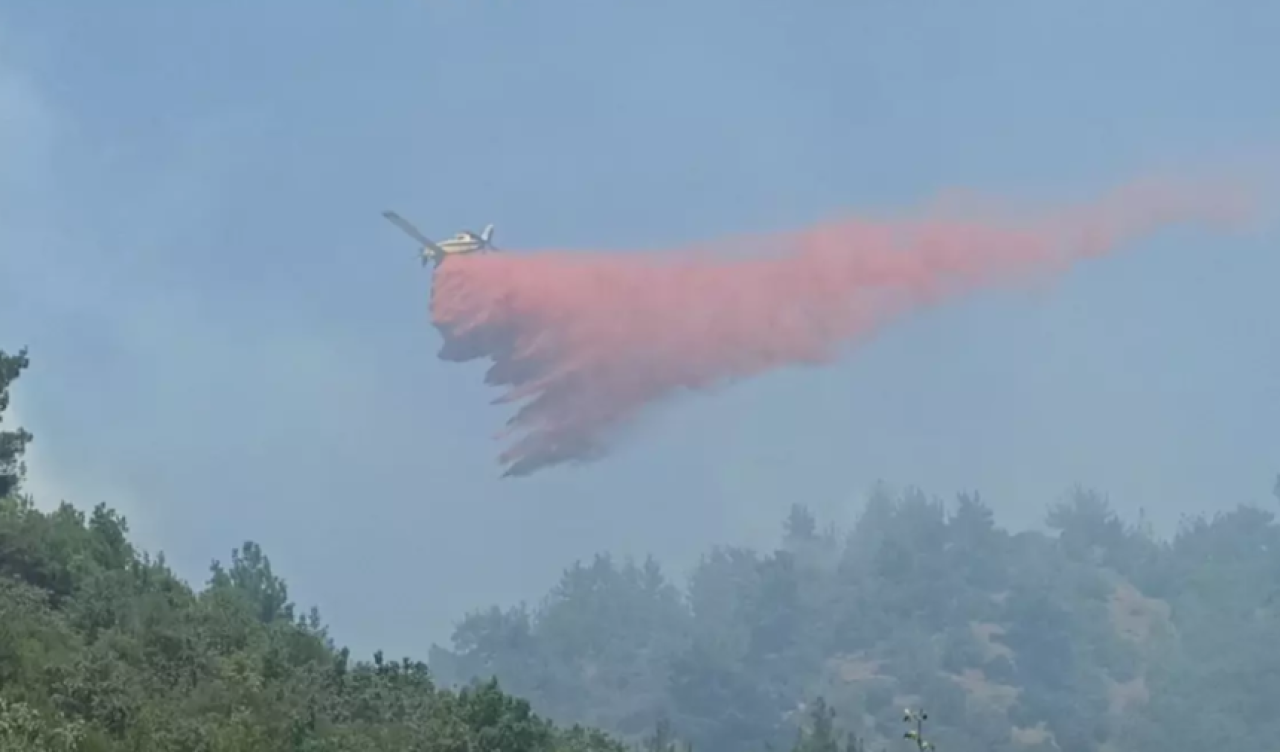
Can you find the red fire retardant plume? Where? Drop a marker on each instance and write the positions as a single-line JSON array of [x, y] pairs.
[[588, 339]]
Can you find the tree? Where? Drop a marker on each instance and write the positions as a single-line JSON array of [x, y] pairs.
[[104, 649], [1023, 641], [13, 443], [821, 735], [1096, 637], [663, 739], [1087, 527], [800, 525], [251, 576]]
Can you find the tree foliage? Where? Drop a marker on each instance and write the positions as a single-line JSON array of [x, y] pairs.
[[104, 649], [1094, 635], [12, 442]]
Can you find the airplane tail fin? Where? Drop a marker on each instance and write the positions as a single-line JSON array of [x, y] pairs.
[[487, 235]]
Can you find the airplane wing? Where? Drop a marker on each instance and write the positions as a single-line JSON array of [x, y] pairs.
[[409, 229]]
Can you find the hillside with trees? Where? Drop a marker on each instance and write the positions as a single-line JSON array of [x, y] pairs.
[[1093, 635], [104, 649]]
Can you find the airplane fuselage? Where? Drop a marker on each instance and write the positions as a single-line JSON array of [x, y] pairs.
[[460, 245], [462, 242]]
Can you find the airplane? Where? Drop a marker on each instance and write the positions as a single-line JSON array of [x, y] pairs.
[[464, 242]]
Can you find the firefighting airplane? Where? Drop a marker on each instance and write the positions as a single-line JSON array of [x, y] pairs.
[[464, 242]]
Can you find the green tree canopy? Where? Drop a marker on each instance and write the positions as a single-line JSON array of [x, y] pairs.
[[1095, 635], [104, 649], [13, 442]]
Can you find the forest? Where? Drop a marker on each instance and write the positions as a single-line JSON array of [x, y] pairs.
[[1094, 634], [104, 649]]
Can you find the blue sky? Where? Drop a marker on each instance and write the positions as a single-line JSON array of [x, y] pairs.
[[230, 343]]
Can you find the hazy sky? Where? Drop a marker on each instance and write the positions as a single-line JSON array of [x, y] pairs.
[[228, 342]]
